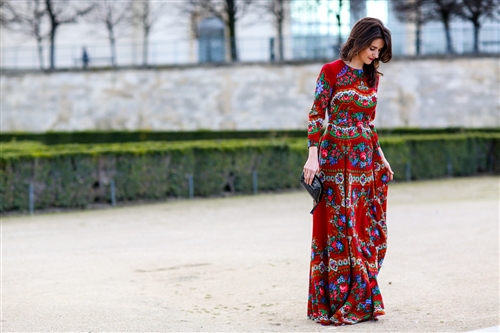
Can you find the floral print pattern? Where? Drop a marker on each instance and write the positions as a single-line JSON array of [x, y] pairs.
[[349, 229], [322, 100], [360, 155]]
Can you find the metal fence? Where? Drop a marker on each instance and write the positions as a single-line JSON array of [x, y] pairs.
[[257, 49]]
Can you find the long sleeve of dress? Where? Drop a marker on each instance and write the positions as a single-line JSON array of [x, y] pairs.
[[322, 98], [376, 144]]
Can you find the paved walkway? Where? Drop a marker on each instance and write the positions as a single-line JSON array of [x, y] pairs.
[[488, 329], [241, 264]]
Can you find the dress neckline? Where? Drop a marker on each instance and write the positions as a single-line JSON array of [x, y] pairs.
[[355, 69]]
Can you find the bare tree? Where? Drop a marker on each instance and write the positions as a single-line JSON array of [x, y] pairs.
[[62, 12], [357, 9], [27, 18], [475, 11], [146, 14], [418, 12], [423, 11], [229, 11], [446, 10], [114, 16], [337, 13], [278, 10], [6, 14]]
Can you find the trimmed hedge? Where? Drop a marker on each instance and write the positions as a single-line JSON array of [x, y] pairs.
[[56, 138], [77, 175]]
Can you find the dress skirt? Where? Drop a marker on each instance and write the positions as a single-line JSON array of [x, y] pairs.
[[349, 233]]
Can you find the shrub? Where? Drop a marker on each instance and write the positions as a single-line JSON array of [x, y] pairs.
[[77, 175], [89, 137]]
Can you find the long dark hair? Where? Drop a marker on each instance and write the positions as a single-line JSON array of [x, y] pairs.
[[364, 32]]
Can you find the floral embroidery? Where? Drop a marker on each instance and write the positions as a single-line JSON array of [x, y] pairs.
[[330, 153], [362, 101], [349, 76], [317, 114], [343, 71], [361, 156], [362, 86]]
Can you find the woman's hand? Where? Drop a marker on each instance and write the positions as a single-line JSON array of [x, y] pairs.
[[386, 164], [388, 167], [312, 165]]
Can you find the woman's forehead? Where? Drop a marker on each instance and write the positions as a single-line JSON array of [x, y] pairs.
[[379, 43]]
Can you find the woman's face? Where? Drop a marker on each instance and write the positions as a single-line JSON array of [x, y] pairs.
[[372, 52]]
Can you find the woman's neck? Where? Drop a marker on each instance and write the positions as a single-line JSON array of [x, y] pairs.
[[355, 63]]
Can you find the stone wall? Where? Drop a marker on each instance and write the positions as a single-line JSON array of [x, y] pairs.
[[415, 93]]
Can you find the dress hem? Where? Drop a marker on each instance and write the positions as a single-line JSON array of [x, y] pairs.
[[332, 321]]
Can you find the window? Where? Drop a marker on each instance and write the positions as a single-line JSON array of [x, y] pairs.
[[211, 40]]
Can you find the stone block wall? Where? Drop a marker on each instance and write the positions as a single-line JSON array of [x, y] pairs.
[[412, 93]]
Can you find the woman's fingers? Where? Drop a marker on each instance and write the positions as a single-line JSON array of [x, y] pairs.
[[309, 175], [391, 173], [310, 169]]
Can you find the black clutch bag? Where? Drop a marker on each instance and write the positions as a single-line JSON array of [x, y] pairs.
[[315, 189]]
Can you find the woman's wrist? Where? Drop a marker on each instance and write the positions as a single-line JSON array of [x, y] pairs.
[[381, 153], [313, 151]]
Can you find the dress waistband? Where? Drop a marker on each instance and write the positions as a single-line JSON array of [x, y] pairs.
[[359, 127]]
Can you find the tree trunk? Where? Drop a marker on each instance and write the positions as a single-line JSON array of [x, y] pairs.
[[146, 26], [418, 38], [449, 44], [53, 29], [232, 29], [113, 52], [52, 47], [40, 52], [339, 23], [477, 26], [280, 40], [112, 45], [145, 45], [233, 47]]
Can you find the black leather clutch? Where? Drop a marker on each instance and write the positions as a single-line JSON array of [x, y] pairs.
[[315, 189]]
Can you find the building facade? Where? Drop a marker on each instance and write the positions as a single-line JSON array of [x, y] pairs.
[[311, 30]]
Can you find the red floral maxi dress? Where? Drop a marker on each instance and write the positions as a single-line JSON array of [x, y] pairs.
[[349, 231]]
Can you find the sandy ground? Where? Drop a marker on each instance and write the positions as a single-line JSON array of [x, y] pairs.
[[241, 264]]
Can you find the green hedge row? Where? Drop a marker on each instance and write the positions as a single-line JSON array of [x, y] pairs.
[[77, 175], [52, 138]]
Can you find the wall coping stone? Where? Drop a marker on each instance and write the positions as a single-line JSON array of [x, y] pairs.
[[451, 57]]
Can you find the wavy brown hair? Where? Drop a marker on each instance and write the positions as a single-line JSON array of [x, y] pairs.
[[364, 32]]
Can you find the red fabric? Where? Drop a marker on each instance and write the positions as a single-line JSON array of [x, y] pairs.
[[349, 230]]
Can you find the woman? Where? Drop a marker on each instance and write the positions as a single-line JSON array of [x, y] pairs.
[[349, 230]]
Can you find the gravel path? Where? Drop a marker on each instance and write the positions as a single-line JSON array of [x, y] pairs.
[[241, 264]]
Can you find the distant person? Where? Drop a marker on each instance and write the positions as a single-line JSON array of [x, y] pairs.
[[349, 233], [85, 58]]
